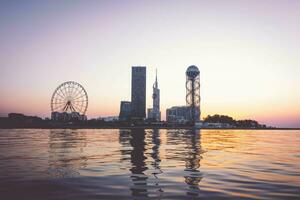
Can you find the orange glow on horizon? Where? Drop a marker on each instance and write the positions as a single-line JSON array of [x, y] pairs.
[[247, 70]]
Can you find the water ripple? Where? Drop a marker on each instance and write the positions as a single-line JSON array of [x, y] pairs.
[[149, 164]]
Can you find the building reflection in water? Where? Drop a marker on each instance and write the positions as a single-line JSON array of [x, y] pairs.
[[186, 149], [192, 165], [135, 139], [136, 142], [139, 178], [156, 160], [66, 153], [140, 151]]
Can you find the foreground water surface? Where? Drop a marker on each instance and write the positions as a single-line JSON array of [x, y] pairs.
[[149, 164]]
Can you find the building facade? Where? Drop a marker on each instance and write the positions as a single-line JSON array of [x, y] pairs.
[[154, 112], [66, 117], [138, 93], [179, 114], [125, 111]]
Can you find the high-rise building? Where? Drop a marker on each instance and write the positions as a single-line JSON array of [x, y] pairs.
[[154, 112], [193, 92], [138, 93]]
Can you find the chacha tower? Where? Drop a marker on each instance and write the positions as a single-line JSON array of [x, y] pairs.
[[154, 112], [155, 97]]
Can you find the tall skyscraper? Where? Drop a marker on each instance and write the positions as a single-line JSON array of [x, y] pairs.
[[138, 93], [193, 92], [154, 112]]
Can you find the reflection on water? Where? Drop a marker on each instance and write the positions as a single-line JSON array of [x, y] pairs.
[[193, 162], [149, 164], [157, 171], [66, 154], [138, 165]]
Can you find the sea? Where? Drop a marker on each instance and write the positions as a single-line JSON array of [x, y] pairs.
[[149, 164]]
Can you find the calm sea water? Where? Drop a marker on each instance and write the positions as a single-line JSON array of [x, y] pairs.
[[149, 164]]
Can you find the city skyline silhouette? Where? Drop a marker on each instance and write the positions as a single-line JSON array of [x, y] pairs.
[[143, 99], [246, 52]]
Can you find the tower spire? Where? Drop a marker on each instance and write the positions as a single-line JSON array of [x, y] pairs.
[[154, 112], [156, 84]]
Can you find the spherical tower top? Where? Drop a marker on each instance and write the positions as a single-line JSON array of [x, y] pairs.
[[192, 71]]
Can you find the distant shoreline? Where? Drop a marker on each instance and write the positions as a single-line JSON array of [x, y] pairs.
[[142, 127], [215, 122]]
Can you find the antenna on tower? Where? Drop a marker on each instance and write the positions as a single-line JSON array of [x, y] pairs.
[[156, 84]]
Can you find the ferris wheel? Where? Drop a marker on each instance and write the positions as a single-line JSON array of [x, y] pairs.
[[69, 97]]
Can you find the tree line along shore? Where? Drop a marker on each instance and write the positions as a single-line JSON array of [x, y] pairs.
[[16, 120]]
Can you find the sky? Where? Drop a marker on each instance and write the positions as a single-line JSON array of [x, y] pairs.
[[247, 53]]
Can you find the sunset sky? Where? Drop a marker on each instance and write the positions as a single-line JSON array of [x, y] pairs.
[[247, 53]]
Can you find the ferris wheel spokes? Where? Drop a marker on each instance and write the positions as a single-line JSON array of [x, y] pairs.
[[69, 97]]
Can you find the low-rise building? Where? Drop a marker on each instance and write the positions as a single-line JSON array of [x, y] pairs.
[[65, 116], [125, 111], [202, 124], [179, 114], [110, 118]]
